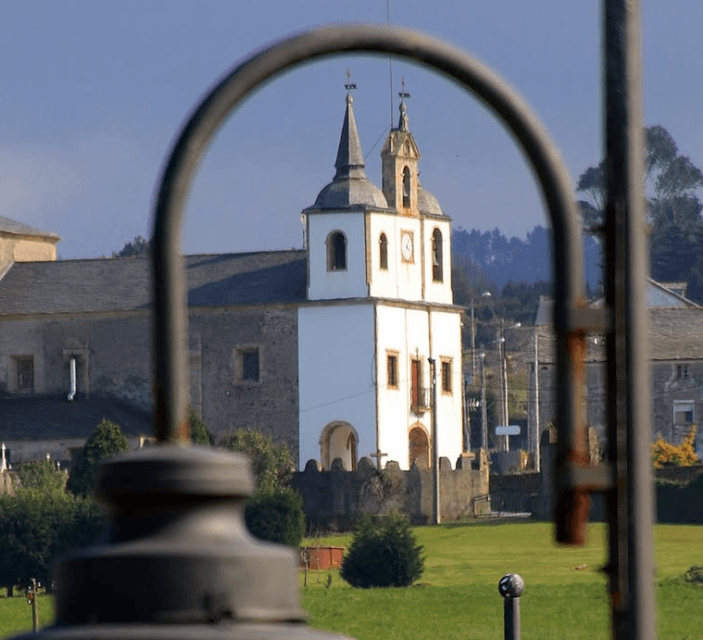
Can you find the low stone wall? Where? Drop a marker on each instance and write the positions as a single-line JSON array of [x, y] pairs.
[[334, 498]]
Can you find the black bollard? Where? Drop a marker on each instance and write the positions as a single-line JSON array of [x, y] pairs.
[[511, 587]]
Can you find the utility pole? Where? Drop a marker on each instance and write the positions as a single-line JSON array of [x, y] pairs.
[[504, 440], [484, 410], [536, 433], [436, 509]]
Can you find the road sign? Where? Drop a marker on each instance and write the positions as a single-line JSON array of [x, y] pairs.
[[510, 430]]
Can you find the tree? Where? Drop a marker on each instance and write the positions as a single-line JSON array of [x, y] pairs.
[[272, 463], [134, 248], [276, 516], [671, 183], [38, 527], [105, 442], [383, 553], [41, 476], [198, 432]]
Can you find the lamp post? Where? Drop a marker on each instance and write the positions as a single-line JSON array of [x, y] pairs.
[[504, 441]]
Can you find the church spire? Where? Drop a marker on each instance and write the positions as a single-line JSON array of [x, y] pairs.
[[350, 158]]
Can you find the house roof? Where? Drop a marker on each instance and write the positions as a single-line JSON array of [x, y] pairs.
[[18, 228], [124, 284], [55, 418]]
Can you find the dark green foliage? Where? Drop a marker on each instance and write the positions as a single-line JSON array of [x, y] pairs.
[[694, 575], [105, 442], [272, 463], [276, 516], [672, 183], [134, 248], [41, 476], [37, 528], [383, 553], [198, 432]]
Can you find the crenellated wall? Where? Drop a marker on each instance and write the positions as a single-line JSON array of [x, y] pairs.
[[336, 497]]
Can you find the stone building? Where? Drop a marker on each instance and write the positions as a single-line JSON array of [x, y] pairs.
[[676, 356], [325, 348]]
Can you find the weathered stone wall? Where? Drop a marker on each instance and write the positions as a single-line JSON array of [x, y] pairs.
[[335, 497], [113, 358]]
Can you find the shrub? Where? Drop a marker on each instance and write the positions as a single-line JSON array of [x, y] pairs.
[[272, 463], [105, 442], [665, 454], [198, 431], [276, 516], [383, 553]]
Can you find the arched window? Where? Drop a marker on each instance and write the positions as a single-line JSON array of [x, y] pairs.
[[406, 187], [336, 251], [437, 269], [383, 251]]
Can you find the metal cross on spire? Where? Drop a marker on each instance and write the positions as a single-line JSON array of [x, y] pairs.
[[403, 93], [349, 86]]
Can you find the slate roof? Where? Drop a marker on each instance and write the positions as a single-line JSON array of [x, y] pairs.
[[53, 418], [350, 187], [18, 228], [124, 284]]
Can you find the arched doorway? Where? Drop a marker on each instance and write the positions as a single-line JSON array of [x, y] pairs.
[[338, 440], [419, 447]]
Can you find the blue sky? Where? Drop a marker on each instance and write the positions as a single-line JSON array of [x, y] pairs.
[[92, 94]]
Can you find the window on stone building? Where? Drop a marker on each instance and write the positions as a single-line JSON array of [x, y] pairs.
[[392, 370], [406, 187], [437, 266], [446, 374], [25, 373], [336, 251], [683, 411], [250, 365], [682, 371], [383, 251]]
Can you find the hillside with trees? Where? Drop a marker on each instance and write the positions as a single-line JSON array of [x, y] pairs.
[[516, 272]]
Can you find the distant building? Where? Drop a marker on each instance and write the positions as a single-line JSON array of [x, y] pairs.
[[325, 349], [676, 355]]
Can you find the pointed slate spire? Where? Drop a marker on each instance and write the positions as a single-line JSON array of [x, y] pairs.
[[350, 158]]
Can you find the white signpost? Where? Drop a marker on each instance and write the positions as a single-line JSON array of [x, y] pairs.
[[509, 430]]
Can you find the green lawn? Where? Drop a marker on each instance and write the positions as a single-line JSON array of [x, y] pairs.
[[565, 594], [457, 597]]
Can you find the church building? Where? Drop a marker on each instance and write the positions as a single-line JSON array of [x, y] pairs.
[[332, 349], [379, 307]]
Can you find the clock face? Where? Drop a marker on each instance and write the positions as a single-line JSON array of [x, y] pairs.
[[406, 246]]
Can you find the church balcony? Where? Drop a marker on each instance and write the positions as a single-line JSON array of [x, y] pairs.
[[420, 400]]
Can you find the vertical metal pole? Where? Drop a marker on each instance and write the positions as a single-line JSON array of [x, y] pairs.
[[436, 509], [484, 409], [473, 344], [630, 502], [511, 587], [537, 432], [504, 440], [35, 610]]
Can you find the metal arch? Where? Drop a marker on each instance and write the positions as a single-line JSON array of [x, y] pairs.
[[240, 81]]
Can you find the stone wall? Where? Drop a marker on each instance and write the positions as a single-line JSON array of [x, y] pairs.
[[336, 497], [114, 359]]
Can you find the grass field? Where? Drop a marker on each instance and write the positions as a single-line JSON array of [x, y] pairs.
[[457, 597]]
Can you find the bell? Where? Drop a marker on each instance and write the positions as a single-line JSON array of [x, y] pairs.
[[175, 559]]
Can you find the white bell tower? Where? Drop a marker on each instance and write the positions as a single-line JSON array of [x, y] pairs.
[[379, 305]]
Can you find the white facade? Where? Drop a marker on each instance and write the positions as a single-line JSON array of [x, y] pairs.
[[324, 283], [379, 286]]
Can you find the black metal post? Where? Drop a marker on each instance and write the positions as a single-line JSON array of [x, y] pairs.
[[511, 587], [436, 507], [631, 500]]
